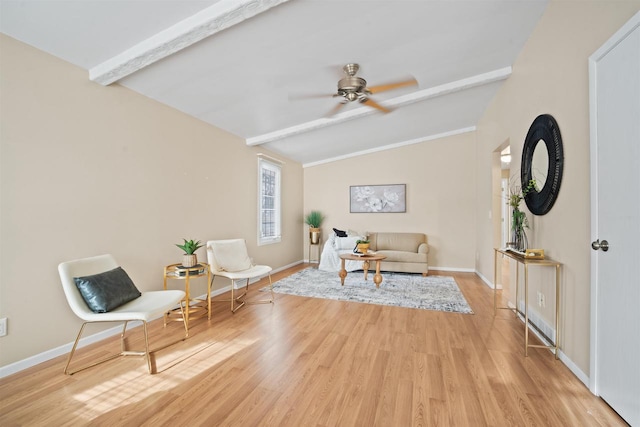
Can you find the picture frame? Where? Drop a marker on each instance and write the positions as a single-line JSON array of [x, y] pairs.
[[378, 198]]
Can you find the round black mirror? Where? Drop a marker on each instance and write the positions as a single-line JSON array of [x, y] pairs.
[[542, 161]]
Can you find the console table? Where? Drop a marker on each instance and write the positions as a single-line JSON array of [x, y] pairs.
[[522, 260]]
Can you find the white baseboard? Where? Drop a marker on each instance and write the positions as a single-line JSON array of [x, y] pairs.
[[90, 339], [549, 330], [487, 281], [55, 352], [536, 319], [573, 368], [455, 269]]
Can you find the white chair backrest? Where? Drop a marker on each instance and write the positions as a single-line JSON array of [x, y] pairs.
[[78, 268], [229, 249]]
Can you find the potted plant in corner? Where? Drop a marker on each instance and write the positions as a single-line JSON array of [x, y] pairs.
[[190, 259], [314, 220]]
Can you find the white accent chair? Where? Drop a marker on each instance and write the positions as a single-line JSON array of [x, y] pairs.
[[146, 307], [230, 258]]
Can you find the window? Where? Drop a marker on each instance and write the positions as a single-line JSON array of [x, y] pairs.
[[269, 174]]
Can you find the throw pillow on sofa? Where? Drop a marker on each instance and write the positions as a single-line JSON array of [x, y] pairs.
[[340, 233], [342, 243]]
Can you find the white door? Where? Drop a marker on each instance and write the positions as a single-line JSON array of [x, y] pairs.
[[615, 165]]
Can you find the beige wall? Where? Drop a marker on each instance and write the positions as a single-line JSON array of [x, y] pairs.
[[87, 170], [551, 76], [440, 195]]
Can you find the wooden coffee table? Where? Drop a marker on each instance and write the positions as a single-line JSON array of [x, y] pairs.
[[366, 259]]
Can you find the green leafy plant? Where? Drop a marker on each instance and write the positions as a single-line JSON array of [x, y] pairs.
[[190, 246], [314, 219], [516, 195], [361, 241]]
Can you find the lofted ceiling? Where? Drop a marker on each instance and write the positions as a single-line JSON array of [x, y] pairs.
[[254, 67]]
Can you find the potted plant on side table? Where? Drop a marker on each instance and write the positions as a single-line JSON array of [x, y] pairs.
[[362, 247], [314, 221], [190, 259]]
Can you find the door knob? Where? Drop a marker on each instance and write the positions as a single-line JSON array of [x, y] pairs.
[[604, 245]]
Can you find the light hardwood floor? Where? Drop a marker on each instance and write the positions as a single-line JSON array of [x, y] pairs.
[[314, 362]]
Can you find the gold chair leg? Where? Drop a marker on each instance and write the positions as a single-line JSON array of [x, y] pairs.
[[265, 301], [239, 299], [146, 345], [237, 302], [123, 347], [73, 349], [123, 352], [271, 289]]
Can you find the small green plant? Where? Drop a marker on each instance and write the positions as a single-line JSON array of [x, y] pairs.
[[516, 195], [190, 246], [314, 219], [361, 241]]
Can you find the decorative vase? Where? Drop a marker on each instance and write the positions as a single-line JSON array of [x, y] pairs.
[[519, 240], [314, 235], [518, 236], [189, 260], [363, 248]]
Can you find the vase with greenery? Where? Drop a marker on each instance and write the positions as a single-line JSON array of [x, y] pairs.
[[190, 258], [519, 219], [362, 246], [314, 220]]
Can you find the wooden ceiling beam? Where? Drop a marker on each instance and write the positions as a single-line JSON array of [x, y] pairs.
[[205, 23], [417, 96]]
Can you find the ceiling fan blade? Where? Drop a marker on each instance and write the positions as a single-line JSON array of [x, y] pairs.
[[371, 103], [335, 109], [390, 86]]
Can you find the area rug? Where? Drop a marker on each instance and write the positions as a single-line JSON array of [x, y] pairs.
[[404, 290]]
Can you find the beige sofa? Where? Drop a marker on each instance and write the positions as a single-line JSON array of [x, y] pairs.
[[405, 252]]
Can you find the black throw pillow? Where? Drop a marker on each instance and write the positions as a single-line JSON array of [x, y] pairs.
[[340, 233], [105, 291]]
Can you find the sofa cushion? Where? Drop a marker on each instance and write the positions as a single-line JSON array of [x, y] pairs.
[[408, 242], [403, 256]]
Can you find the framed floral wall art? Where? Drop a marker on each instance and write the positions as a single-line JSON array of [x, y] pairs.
[[378, 198]]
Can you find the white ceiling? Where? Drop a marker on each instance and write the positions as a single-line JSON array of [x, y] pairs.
[[243, 65]]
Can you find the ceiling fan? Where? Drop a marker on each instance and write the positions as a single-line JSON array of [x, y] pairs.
[[353, 88]]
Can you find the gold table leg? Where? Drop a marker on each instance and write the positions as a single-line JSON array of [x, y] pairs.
[[526, 310], [557, 343], [495, 282]]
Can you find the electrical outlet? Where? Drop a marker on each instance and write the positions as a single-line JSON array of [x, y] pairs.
[[540, 299], [3, 327]]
